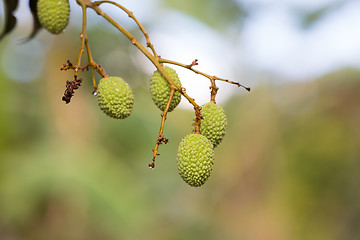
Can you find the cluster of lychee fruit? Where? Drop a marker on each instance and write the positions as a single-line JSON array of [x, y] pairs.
[[195, 156]]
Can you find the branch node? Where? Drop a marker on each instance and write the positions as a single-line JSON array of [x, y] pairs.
[[194, 63]]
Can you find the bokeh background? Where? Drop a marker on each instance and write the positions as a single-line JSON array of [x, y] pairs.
[[288, 167]]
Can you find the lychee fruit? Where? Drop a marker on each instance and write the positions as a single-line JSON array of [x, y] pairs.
[[214, 124], [53, 14], [115, 97], [195, 159], [160, 89]]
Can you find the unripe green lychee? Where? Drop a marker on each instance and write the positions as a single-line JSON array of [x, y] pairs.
[[160, 89], [195, 159], [115, 97], [214, 124], [53, 14]]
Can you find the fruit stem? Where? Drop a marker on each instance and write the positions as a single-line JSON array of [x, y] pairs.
[[214, 90], [93, 65], [82, 37], [84, 42], [161, 138], [197, 120]]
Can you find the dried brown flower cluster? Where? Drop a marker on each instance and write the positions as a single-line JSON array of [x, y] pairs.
[[70, 87]]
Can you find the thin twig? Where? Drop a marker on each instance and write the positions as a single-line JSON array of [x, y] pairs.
[[82, 37], [161, 139], [195, 62], [131, 15], [93, 64]]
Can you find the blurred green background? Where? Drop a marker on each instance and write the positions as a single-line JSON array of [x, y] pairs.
[[288, 167]]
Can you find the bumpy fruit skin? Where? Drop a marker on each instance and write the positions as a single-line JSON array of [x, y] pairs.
[[195, 159], [115, 97], [160, 89], [214, 124], [53, 14]]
